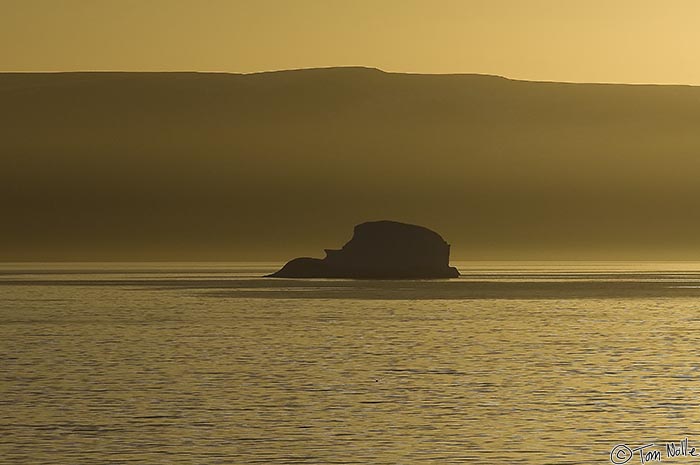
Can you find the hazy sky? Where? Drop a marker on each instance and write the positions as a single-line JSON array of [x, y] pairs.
[[636, 41]]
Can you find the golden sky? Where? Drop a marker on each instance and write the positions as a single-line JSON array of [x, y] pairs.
[[632, 41]]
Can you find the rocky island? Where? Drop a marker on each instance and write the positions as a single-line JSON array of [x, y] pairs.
[[380, 250]]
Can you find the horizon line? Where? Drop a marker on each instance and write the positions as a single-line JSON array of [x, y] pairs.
[[351, 67]]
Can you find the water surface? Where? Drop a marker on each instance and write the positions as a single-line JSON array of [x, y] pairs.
[[208, 363]]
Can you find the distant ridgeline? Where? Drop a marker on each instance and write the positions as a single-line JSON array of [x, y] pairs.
[[380, 250], [215, 166]]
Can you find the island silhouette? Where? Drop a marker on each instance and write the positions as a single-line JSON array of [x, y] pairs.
[[379, 250]]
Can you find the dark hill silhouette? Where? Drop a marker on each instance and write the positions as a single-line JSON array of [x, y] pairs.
[[216, 166], [380, 250]]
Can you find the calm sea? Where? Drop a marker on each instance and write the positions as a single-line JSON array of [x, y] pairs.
[[207, 363]]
